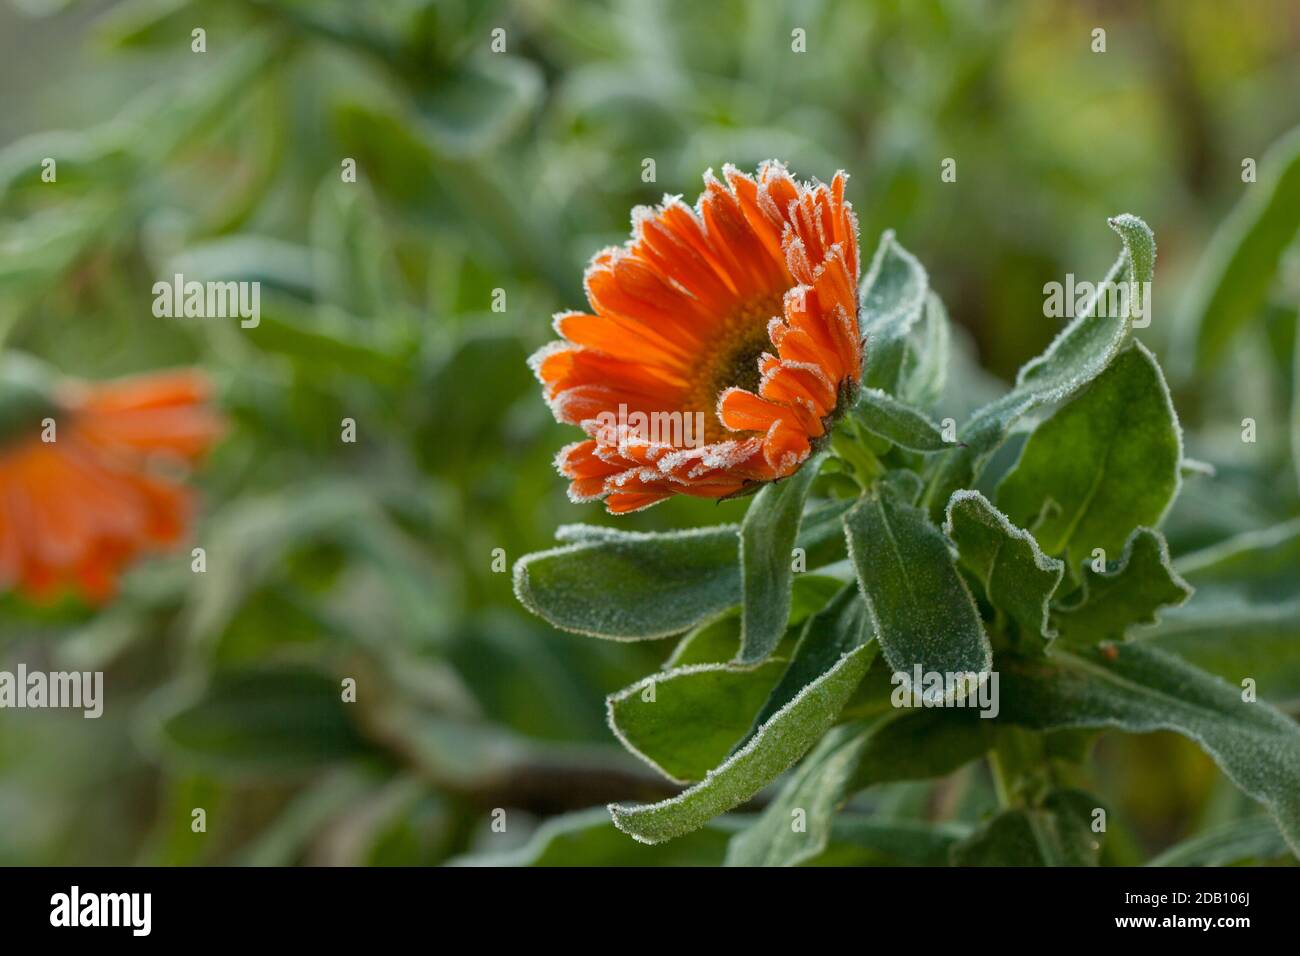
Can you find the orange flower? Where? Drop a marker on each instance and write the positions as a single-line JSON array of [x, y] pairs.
[[76, 510], [743, 310]]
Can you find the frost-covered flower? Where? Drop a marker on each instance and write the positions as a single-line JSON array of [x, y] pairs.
[[740, 314], [87, 474]]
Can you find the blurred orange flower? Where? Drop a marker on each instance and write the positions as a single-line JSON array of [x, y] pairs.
[[740, 314], [84, 482]]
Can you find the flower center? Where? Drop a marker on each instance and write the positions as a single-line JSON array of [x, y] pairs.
[[732, 360]]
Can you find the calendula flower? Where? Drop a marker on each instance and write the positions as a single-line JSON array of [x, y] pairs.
[[739, 315], [88, 474]]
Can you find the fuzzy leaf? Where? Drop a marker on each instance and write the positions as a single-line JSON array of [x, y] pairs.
[[893, 296], [1057, 832], [898, 745], [883, 415], [1233, 278], [631, 585], [713, 642], [1078, 355], [698, 713], [767, 537], [925, 365], [1018, 578], [862, 840], [589, 838], [923, 614], [1241, 841], [1112, 601], [1103, 464], [1259, 641], [778, 744], [838, 628], [1140, 689]]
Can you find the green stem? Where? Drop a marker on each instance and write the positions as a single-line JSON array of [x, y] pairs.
[[866, 466], [1001, 783]]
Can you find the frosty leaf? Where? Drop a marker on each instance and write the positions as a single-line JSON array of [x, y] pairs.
[[632, 585], [1241, 841], [1103, 464], [925, 366], [923, 614], [892, 295], [767, 537], [589, 838], [629, 585], [718, 641], [697, 713], [1076, 356], [1233, 278], [1018, 578], [899, 745], [838, 628], [811, 593], [778, 744], [1113, 601], [1058, 832], [882, 415], [1140, 689], [714, 642]]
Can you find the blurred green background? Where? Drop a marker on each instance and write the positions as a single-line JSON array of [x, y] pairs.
[[480, 171]]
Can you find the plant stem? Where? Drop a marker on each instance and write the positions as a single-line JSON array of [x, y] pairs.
[[866, 466]]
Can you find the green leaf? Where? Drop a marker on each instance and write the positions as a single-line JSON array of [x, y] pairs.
[[1113, 601], [1057, 832], [861, 840], [685, 721], [767, 537], [480, 104], [1259, 641], [1244, 619], [898, 745], [892, 296], [1078, 355], [924, 615], [1140, 689], [718, 641], [883, 415], [1103, 464], [713, 642], [842, 626], [925, 365], [778, 744], [1018, 578], [1234, 275], [589, 838], [1255, 566], [354, 264], [1241, 841], [633, 585], [261, 722]]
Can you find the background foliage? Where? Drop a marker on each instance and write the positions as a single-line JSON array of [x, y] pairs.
[[480, 172]]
